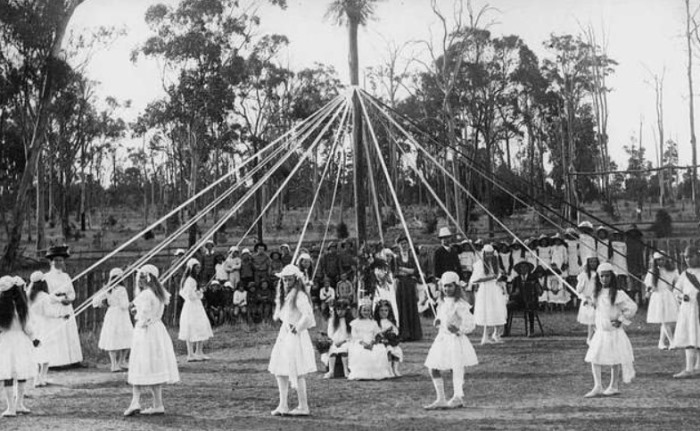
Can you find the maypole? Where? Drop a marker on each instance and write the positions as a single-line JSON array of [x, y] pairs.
[[358, 148]]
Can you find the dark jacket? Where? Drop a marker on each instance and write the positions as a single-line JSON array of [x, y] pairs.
[[447, 260]]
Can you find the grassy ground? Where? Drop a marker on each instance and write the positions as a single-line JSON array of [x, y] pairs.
[[522, 384]]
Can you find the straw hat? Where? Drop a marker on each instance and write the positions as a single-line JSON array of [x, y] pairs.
[[444, 232]]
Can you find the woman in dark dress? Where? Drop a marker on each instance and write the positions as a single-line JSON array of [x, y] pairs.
[[406, 272]]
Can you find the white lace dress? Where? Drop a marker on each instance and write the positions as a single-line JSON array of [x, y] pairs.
[[17, 352], [687, 332], [117, 330], [364, 363], [152, 360], [194, 323], [663, 307], [610, 345]]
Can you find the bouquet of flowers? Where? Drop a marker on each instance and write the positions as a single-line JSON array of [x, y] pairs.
[[388, 338]]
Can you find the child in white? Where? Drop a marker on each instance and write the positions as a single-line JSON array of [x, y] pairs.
[[42, 312], [339, 333], [663, 308], [687, 334], [451, 350], [117, 330], [152, 362], [195, 328], [240, 301], [490, 309], [585, 286], [387, 325], [16, 350], [232, 265], [367, 359], [326, 295], [292, 356], [610, 345]]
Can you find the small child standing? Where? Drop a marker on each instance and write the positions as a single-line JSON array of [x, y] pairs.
[[389, 334], [585, 286], [240, 302], [152, 362], [195, 327], [42, 311], [117, 330], [339, 333], [327, 296], [663, 308], [16, 349], [451, 349], [610, 345]]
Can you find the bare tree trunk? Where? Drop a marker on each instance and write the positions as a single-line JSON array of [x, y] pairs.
[[691, 104], [40, 209]]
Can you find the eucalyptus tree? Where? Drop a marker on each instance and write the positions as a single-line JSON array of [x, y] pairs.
[[32, 35]]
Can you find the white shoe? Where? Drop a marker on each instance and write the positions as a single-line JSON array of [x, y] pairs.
[[132, 411], [610, 392], [152, 411], [299, 412], [455, 402], [280, 411], [596, 392], [437, 405], [8, 414]]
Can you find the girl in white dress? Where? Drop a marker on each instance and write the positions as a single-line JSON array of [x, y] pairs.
[[663, 308], [490, 305], [389, 335], [585, 286], [43, 313], [152, 362], [367, 358], [195, 328], [117, 330], [16, 350], [339, 333], [292, 356], [384, 285], [451, 350], [610, 345], [687, 334]]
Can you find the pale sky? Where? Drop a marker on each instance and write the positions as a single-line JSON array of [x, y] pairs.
[[643, 36]]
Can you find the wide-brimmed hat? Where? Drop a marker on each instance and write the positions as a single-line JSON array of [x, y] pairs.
[[283, 246], [585, 225], [658, 255], [401, 237], [530, 266], [444, 232], [58, 251], [260, 244], [488, 248], [331, 245], [245, 251], [233, 249], [279, 255], [192, 263], [180, 252], [149, 269]]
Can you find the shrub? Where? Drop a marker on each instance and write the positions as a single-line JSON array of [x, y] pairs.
[[662, 226], [341, 231]]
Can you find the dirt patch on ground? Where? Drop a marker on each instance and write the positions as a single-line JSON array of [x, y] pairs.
[[522, 384]]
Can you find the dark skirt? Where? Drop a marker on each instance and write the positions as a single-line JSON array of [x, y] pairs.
[[407, 302]]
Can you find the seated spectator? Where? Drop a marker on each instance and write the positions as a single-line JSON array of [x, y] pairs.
[[220, 273], [266, 296], [327, 297], [214, 303], [228, 291], [344, 289], [240, 302]]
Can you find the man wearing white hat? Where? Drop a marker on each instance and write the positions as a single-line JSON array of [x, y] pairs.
[[446, 258]]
